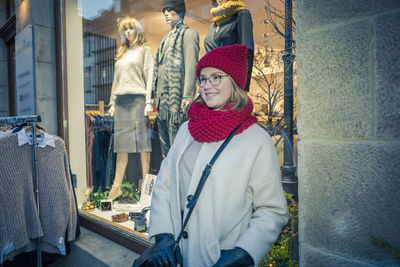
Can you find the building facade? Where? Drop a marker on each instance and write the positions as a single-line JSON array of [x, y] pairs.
[[348, 107]]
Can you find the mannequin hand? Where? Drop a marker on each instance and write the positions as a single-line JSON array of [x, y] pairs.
[[165, 255], [111, 111], [185, 102], [148, 109], [236, 257]]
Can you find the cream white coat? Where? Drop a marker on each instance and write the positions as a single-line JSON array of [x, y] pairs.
[[242, 203]]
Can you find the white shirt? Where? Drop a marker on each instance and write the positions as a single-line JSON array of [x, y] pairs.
[[42, 140]]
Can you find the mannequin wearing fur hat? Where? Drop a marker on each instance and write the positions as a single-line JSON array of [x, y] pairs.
[[130, 91], [242, 207], [231, 24], [174, 79]]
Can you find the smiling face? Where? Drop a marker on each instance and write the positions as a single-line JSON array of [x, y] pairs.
[[215, 96]]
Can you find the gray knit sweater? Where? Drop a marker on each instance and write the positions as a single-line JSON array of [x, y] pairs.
[[19, 220]]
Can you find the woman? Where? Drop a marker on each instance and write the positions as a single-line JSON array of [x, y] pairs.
[[242, 207], [231, 24], [131, 90]]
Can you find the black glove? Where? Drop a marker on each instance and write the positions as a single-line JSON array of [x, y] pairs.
[[165, 255], [236, 257]]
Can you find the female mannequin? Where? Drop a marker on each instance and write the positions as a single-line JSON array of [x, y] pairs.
[[130, 91], [232, 24]]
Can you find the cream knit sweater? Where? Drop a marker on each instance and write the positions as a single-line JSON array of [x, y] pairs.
[[133, 73], [19, 221]]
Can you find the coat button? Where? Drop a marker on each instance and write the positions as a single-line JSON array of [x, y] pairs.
[[185, 235], [189, 198]]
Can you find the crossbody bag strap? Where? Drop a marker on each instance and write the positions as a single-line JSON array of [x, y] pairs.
[[206, 172]]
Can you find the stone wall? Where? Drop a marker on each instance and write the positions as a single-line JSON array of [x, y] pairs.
[[40, 13], [349, 131], [4, 105]]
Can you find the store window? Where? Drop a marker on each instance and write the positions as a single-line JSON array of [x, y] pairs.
[[115, 145], [10, 8]]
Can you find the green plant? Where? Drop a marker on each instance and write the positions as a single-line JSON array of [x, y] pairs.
[[279, 256], [98, 196], [130, 191]]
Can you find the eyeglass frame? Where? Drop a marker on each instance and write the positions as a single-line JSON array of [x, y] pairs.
[[208, 79]]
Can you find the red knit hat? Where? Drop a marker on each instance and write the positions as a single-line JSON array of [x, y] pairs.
[[231, 59]]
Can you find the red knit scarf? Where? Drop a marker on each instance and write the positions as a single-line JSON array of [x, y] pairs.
[[207, 125]]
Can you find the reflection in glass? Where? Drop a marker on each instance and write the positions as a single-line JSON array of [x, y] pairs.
[[101, 39]]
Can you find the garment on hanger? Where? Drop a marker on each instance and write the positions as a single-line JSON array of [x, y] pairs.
[[20, 221], [99, 129], [5, 133]]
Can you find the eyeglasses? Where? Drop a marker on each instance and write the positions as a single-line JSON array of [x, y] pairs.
[[214, 79]]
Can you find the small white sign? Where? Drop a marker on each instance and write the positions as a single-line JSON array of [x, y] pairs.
[[147, 189], [25, 71]]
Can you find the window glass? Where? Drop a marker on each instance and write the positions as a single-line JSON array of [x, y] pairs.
[[115, 146], [10, 8]]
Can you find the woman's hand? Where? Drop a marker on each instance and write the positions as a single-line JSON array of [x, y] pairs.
[[111, 110], [165, 255], [236, 257]]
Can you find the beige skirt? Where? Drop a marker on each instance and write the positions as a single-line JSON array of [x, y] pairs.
[[131, 127]]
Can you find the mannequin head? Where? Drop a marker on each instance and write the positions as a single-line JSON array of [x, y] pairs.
[[172, 10], [171, 17], [132, 34]]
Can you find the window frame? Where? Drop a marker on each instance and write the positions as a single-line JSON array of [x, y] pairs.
[[119, 234], [126, 237]]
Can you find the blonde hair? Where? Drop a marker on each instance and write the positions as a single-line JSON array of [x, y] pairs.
[[140, 40], [239, 98]]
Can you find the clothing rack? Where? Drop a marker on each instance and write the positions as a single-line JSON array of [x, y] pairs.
[[32, 121], [100, 106], [20, 119]]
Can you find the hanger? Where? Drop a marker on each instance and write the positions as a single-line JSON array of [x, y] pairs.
[[39, 129], [5, 128], [19, 127], [93, 113], [29, 128]]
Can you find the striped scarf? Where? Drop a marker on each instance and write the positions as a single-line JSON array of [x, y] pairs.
[[170, 95]]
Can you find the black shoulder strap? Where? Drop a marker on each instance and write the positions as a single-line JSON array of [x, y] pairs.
[[204, 176]]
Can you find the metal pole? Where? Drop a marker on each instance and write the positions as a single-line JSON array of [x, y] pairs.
[[289, 179], [36, 190]]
